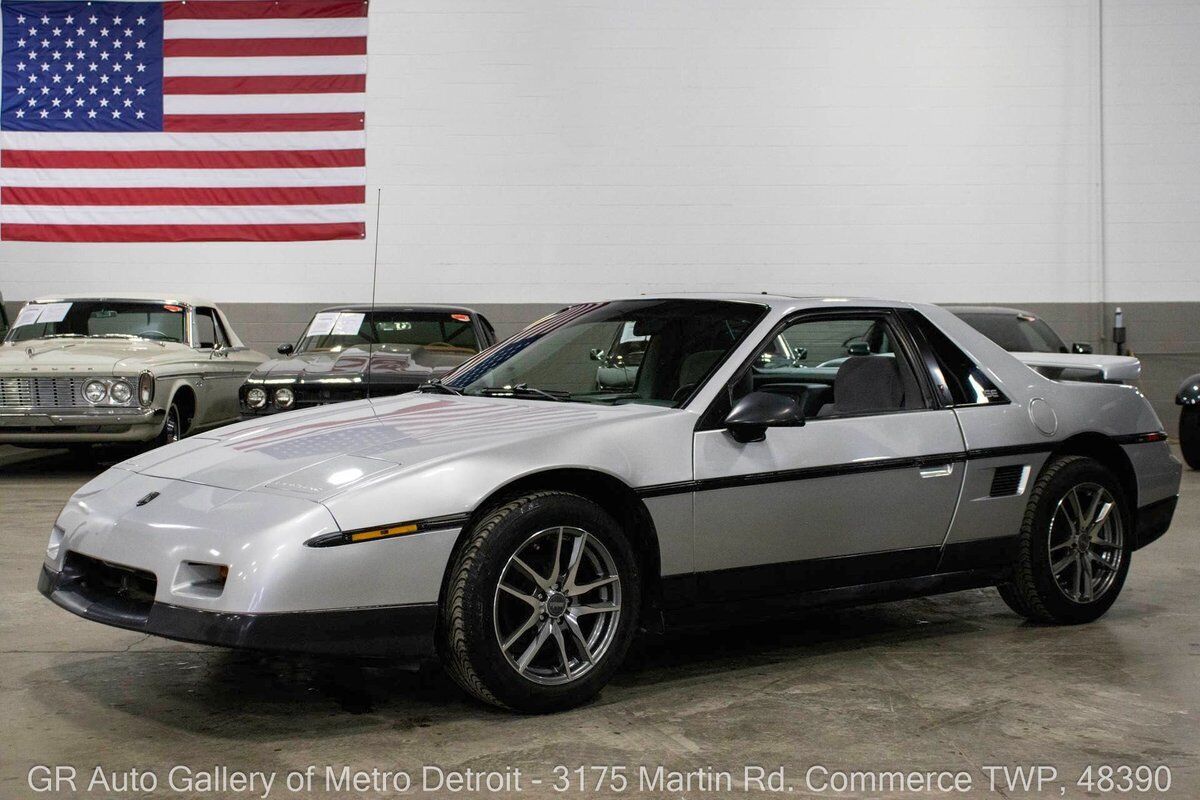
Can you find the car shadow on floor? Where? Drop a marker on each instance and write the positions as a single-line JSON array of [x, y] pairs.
[[250, 696], [85, 464]]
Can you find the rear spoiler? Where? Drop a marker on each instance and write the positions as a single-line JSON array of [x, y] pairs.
[[1084, 367]]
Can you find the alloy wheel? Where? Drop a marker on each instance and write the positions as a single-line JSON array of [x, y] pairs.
[[1086, 542], [557, 605]]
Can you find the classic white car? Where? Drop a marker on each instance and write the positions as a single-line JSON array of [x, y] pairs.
[[122, 368]]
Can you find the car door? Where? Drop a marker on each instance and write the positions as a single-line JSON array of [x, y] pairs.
[[221, 374], [864, 491]]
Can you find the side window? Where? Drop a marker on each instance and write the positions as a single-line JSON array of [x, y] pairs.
[[835, 366], [955, 376], [491, 331], [208, 329]]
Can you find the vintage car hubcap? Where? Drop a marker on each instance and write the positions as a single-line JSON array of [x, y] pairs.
[[172, 433], [561, 585], [1086, 542]]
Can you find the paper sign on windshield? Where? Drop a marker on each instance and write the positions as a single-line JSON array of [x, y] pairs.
[[29, 315], [348, 324], [322, 323], [54, 312]]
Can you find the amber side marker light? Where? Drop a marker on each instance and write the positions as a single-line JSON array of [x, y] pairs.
[[380, 533], [388, 531]]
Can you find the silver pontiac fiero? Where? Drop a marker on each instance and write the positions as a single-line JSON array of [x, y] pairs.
[[523, 518]]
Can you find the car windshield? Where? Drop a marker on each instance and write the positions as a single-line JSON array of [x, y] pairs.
[[635, 351], [1016, 333], [391, 332], [115, 319]]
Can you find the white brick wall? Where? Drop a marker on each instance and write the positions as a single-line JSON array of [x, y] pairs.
[[1152, 149], [548, 151]]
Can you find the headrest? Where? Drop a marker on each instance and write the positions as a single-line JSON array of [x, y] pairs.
[[697, 365], [868, 383]]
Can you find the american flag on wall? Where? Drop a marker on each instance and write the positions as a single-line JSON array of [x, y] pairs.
[[196, 120]]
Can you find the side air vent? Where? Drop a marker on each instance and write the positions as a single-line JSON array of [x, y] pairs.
[[1008, 481]]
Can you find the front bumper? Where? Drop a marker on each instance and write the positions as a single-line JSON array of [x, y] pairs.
[[72, 425], [227, 567], [397, 632]]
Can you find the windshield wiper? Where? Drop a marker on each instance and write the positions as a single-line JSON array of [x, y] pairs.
[[437, 387], [524, 391]]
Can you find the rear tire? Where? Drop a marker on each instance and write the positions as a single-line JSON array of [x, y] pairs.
[[541, 604], [1189, 435], [1074, 546]]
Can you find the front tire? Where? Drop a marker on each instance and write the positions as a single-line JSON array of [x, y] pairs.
[[172, 429], [1074, 546], [1189, 435], [541, 604]]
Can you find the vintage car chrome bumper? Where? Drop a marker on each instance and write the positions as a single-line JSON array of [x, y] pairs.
[[68, 425]]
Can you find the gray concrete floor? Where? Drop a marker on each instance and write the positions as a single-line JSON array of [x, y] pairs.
[[954, 682]]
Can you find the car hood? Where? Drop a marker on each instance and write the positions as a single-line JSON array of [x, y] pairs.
[[349, 363], [86, 356], [322, 451]]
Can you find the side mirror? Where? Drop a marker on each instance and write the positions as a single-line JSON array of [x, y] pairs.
[[285, 349], [596, 354], [757, 411], [859, 349], [1082, 348]]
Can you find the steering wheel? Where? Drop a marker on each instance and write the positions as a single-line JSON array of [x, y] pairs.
[[154, 334], [441, 345]]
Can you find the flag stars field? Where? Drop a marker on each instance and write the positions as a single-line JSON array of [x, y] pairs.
[[235, 120]]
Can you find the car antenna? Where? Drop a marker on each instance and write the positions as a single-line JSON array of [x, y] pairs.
[[374, 283]]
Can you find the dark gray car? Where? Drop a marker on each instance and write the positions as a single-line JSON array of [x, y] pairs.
[[357, 351]]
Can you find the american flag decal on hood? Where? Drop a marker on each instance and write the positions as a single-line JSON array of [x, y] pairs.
[[210, 120]]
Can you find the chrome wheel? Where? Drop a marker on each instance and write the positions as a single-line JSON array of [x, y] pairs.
[[557, 605], [1087, 542], [171, 426]]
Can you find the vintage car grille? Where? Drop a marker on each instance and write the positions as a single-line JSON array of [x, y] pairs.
[[25, 392]]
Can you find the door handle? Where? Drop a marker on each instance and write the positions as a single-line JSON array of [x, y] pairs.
[[941, 471]]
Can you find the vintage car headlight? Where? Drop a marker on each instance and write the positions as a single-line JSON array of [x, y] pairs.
[[256, 398], [284, 397], [95, 392], [121, 392], [146, 388]]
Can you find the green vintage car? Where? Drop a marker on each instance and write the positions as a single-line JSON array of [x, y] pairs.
[[119, 368]]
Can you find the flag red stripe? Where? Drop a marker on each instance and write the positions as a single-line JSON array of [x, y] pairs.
[[308, 46], [181, 233], [262, 123], [266, 84], [264, 9], [181, 159], [241, 196]]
